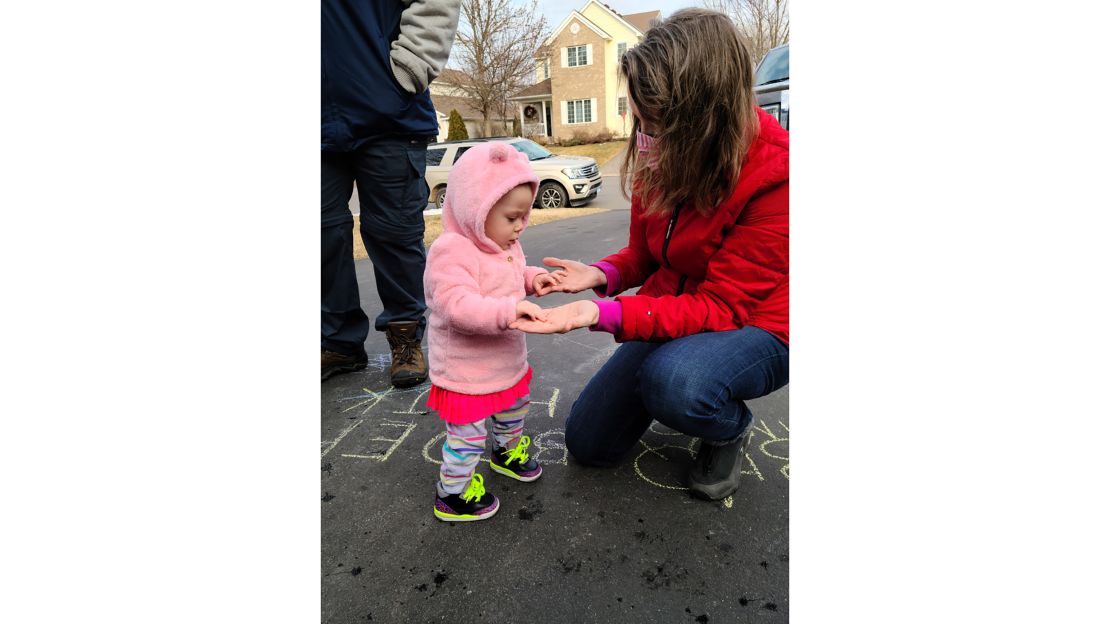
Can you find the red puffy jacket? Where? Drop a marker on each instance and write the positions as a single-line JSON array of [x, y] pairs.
[[731, 267]]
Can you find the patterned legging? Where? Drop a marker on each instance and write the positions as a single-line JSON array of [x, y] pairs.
[[465, 443]]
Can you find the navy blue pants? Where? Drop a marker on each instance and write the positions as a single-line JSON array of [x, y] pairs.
[[696, 385], [392, 197]]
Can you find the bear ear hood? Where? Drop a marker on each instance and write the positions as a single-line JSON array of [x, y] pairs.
[[480, 177]]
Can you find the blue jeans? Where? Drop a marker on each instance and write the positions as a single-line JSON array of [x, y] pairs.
[[696, 385], [392, 197]]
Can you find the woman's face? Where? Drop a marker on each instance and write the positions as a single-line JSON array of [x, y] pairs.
[[646, 126]]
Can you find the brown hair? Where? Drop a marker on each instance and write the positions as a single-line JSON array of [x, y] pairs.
[[691, 77]]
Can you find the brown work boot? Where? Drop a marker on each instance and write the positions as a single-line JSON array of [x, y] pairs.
[[409, 367], [332, 363]]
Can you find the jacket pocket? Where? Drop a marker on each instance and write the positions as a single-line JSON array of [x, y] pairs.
[[418, 163]]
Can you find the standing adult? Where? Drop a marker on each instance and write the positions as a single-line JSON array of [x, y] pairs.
[[709, 248], [377, 59]]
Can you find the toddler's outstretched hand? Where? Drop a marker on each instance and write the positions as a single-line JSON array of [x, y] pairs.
[[560, 320], [528, 310], [546, 282]]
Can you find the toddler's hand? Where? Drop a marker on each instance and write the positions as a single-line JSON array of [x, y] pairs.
[[546, 282], [529, 310]]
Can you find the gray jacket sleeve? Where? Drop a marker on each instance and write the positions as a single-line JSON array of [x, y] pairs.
[[421, 50]]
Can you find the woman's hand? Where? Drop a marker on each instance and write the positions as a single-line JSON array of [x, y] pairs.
[[576, 276], [547, 282], [560, 320], [528, 310]]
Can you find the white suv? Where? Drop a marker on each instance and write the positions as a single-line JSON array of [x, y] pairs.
[[564, 180]]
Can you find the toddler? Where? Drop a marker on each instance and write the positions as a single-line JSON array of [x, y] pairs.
[[475, 283]]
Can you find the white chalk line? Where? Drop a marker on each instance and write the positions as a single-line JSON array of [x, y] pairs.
[[543, 446], [338, 439], [550, 403], [773, 438]]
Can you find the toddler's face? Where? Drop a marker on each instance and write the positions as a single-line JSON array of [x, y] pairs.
[[505, 220]]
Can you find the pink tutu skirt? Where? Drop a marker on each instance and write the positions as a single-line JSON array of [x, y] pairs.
[[462, 409]]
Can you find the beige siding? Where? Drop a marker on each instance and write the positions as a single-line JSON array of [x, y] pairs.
[[579, 83], [539, 71]]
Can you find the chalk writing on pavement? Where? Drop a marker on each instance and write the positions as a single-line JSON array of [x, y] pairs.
[[383, 422]]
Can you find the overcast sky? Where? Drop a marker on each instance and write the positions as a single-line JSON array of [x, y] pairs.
[[557, 10]]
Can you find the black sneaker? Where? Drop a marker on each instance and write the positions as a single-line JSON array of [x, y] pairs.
[[716, 470], [332, 363], [473, 504], [515, 462]]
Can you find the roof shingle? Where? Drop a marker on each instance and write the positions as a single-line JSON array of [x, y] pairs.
[[642, 21], [465, 106], [538, 89], [453, 77]]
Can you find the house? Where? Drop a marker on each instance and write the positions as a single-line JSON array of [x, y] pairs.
[[576, 89], [449, 92]]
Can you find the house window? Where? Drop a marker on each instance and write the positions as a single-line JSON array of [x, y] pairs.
[[622, 105], [546, 69], [579, 111], [622, 47], [576, 55]]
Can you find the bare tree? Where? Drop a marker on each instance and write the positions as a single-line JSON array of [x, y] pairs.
[[765, 23], [496, 43]]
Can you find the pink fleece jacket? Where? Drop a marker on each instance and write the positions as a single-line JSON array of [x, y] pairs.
[[471, 285]]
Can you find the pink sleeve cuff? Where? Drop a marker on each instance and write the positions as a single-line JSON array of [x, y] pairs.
[[612, 279], [506, 312], [608, 317]]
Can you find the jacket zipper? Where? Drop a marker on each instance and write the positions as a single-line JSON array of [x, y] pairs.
[[667, 243]]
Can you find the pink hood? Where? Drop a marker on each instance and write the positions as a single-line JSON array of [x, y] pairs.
[[483, 175]]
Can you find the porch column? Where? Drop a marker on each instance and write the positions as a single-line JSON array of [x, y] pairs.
[[520, 108], [543, 118]]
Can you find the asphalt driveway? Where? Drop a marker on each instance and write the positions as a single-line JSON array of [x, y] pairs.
[[578, 545]]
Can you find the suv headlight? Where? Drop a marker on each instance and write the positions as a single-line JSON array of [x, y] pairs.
[[578, 172]]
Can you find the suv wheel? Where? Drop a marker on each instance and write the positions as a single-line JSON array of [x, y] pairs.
[[552, 195], [441, 194]]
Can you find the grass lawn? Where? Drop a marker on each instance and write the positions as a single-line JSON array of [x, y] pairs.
[[601, 152], [433, 227]]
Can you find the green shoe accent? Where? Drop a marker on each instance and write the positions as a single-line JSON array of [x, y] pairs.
[[473, 504], [515, 463]]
